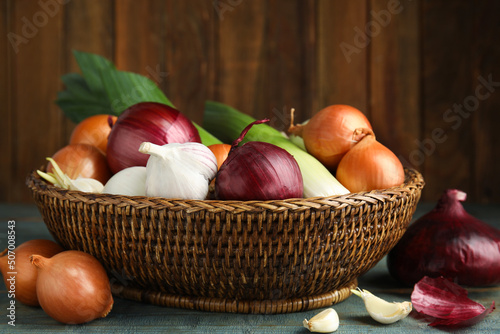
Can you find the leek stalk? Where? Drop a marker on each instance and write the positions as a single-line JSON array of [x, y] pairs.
[[226, 124]]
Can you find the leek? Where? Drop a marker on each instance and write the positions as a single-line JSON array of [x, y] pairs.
[[226, 124], [102, 89]]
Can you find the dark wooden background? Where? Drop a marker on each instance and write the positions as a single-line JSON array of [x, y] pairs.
[[420, 63]]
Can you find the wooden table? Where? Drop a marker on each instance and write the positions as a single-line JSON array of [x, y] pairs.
[[133, 317]]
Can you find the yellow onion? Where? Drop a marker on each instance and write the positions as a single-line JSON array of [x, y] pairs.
[[81, 161], [73, 287], [18, 272], [369, 165], [327, 135], [221, 152]]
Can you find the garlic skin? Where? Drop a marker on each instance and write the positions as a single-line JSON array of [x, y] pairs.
[[326, 321], [179, 170], [61, 180], [130, 181], [87, 185], [381, 310]]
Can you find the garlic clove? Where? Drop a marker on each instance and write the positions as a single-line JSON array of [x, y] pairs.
[[130, 181], [61, 180], [326, 321], [381, 310], [87, 185]]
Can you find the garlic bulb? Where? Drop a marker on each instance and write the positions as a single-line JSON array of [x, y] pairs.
[[381, 310], [326, 321], [130, 181], [179, 170], [61, 180]]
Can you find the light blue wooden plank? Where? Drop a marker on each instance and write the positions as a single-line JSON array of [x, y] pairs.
[[133, 317]]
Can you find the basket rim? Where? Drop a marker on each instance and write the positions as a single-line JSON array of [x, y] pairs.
[[413, 181]]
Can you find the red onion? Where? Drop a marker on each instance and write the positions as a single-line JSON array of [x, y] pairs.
[[448, 242], [258, 171], [146, 122], [446, 303]]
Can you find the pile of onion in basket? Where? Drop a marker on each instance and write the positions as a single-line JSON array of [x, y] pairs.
[[136, 143], [152, 149]]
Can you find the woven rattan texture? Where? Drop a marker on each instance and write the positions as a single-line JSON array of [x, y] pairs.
[[229, 252]]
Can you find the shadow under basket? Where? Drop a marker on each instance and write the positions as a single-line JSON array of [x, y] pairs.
[[231, 256]]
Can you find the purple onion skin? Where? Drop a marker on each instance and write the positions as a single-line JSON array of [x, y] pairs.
[[448, 242], [259, 171], [146, 121]]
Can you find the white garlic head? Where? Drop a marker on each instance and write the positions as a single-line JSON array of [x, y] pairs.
[[179, 170]]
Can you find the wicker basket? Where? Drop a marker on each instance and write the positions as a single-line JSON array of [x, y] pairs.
[[231, 256]]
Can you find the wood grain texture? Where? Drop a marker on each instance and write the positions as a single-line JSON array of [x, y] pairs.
[[486, 118], [98, 18], [139, 31], [411, 76], [6, 135], [394, 72], [38, 124], [98, 37], [242, 39], [447, 82], [342, 51], [284, 84], [189, 54]]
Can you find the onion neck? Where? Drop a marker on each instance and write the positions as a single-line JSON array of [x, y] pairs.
[[38, 261], [361, 133], [245, 130], [296, 130], [450, 202], [110, 121]]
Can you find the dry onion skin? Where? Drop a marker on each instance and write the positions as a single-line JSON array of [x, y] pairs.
[[93, 130], [328, 134], [369, 165], [448, 242], [146, 122], [73, 287], [258, 171], [82, 161], [26, 273], [220, 151], [446, 303]]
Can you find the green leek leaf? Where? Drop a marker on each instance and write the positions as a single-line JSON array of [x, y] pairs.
[[92, 67], [103, 89], [124, 89], [227, 123], [78, 101]]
